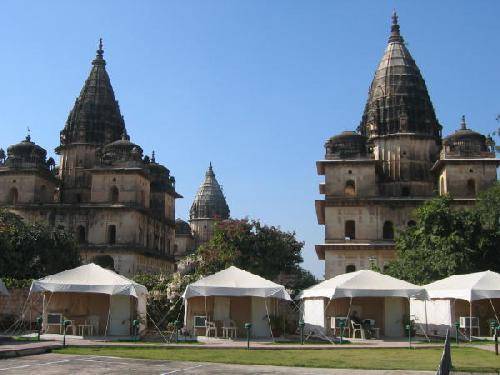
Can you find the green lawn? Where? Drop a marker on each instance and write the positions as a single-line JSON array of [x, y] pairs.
[[464, 359]]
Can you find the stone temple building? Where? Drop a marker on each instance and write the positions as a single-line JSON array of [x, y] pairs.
[[208, 207], [119, 203], [396, 160]]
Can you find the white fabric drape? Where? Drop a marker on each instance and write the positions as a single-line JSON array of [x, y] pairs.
[[470, 287], [364, 283], [235, 282]]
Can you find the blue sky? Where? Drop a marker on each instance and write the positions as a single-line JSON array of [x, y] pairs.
[[256, 87]]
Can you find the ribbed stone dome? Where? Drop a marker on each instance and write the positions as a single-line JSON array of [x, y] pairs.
[[182, 227], [346, 144], [398, 100], [466, 142], [26, 154], [95, 117], [209, 202]]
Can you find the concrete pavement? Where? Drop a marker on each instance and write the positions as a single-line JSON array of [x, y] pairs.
[[55, 364]]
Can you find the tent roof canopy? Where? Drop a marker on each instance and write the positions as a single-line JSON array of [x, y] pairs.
[[3, 289], [470, 287], [363, 283], [235, 282], [89, 278]]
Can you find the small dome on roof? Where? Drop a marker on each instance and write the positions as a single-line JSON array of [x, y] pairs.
[[122, 152], [182, 227], [123, 143], [346, 144], [466, 141], [25, 147], [26, 154]]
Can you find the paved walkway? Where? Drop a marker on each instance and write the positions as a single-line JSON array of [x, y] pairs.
[[215, 343], [55, 364]]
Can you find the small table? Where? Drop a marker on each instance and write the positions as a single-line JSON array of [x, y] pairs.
[[375, 332], [228, 332], [88, 327]]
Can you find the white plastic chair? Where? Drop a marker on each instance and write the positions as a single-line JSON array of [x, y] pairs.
[[229, 329], [210, 327], [356, 327]]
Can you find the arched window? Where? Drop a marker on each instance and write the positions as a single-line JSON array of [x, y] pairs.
[[388, 231], [81, 234], [350, 188], [52, 218], [43, 194], [114, 194], [442, 190], [13, 196], [411, 223], [471, 187], [111, 234], [350, 268], [105, 261], [350, 230]]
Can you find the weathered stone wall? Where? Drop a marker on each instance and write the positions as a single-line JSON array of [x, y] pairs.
[[337, 261], [128, 263], [31, 188], [465, 180], [132, 188], [11, 306], [369, 220], [362, 174]]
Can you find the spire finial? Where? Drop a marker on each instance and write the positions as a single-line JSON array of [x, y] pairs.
[[153, 157], [463, 124], [395, 36], [99, 59], [28, 135], [394, 17], [100, 51], [210, 171]]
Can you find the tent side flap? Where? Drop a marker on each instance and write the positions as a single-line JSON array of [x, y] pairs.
[[200, 291]]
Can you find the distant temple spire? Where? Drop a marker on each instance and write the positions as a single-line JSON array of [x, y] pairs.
[[209, 202], [463, 124], [395, 35]]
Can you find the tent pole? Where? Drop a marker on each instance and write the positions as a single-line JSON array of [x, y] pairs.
[[268, 318], [348, 322], [494, 311], [107, 320], [470, 320]]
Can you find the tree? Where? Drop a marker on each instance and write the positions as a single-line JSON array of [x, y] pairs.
[[261, 249], [264, 250], [30, 251], [447, 240]]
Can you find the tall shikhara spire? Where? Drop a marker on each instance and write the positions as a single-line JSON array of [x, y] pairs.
[[398, 100], [209, 202], [95, 117]]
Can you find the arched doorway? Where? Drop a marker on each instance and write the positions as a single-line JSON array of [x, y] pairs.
[[13, 196], [388, 231], [105, 261]]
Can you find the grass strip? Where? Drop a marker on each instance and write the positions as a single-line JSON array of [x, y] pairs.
[[464, 359]]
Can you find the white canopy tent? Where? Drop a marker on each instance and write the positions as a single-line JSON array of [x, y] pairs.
[[359, 284], [93, 279], [234, 282], [440, 311], [470, 287], [3, 289], [364, 283]]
